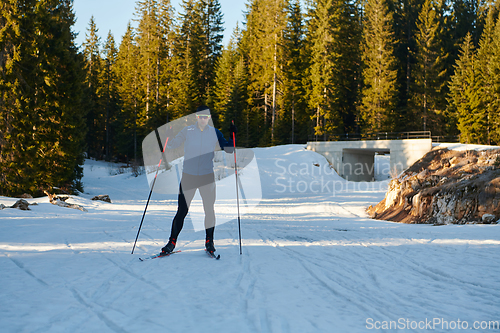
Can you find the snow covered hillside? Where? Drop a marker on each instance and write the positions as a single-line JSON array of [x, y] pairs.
[[312, 262]]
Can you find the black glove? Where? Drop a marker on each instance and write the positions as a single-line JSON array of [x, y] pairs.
[[233, 129], [229, 149]]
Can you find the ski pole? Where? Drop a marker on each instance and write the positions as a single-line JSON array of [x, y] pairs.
[[237, 195], [151, 191]]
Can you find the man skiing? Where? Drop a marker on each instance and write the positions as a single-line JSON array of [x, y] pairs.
[[200, 141]]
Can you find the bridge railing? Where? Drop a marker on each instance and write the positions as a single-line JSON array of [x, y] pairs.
[[447, 138], [373, 136]]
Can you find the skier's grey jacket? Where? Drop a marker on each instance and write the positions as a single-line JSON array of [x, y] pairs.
[[199, 147]]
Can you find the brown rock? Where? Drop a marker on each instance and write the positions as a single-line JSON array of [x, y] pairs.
[[102, 197], [21, 204], [429, 192]]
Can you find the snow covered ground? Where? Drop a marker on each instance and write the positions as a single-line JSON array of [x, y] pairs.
[[312, 262]]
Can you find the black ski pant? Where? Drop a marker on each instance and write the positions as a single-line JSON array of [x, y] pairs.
[[187, 189]]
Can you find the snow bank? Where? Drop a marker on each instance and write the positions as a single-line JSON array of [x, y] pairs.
[[462, 146]]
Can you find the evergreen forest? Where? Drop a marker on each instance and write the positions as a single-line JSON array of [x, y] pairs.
[[293, 71]]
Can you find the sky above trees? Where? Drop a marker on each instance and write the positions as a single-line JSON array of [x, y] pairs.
[[114, 15]]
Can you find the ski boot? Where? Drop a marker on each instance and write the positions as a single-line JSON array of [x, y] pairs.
[[169, 247], [209, 245]]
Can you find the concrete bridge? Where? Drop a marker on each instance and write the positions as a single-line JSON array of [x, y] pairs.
[[355, 160]]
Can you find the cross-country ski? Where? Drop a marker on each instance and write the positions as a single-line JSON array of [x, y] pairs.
[[159, 255], [213, 255]]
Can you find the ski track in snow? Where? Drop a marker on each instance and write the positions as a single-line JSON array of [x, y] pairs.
[[310, 263]]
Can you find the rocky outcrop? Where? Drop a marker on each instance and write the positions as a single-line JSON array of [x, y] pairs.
[[445, 187]]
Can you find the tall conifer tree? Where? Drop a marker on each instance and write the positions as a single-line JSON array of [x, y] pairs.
[[257, 96], [464, 98], [323, 94], [93, 90], [188, 51], [148, 41], [487, 73], [334, 70], [44, 138], [213, 28], [494, 69], [110, 96], [229, 91], [127, 70], [262, 45], [380, 86], [165, 70], [294, 123], [405, 17], [12, 103], [430, 72]]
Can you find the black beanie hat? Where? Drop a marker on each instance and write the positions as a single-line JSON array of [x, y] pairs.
[[203, 109]]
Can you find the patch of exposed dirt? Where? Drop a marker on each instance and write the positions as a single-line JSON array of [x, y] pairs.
[[445, 187]]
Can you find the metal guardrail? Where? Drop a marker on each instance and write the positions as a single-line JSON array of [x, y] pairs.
[[373, 136], [448, 138]]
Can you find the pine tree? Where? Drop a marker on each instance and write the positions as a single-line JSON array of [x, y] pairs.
[[230, 88], [213, 29], [406, 14], [111, 97], [349, 46], [262, 45], [464, 101], [294, 123], [44, 137], [225, 81], [93, 89], [279, 20], [379, 75], [334, 69], [430, 72], [11, 101], [165, 70], [65, 100], [494, 69], [155, 43], [252, 47], [148, 40], [188, 54], [467, 16], [323, 25], [487, 75], [127, 70]]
